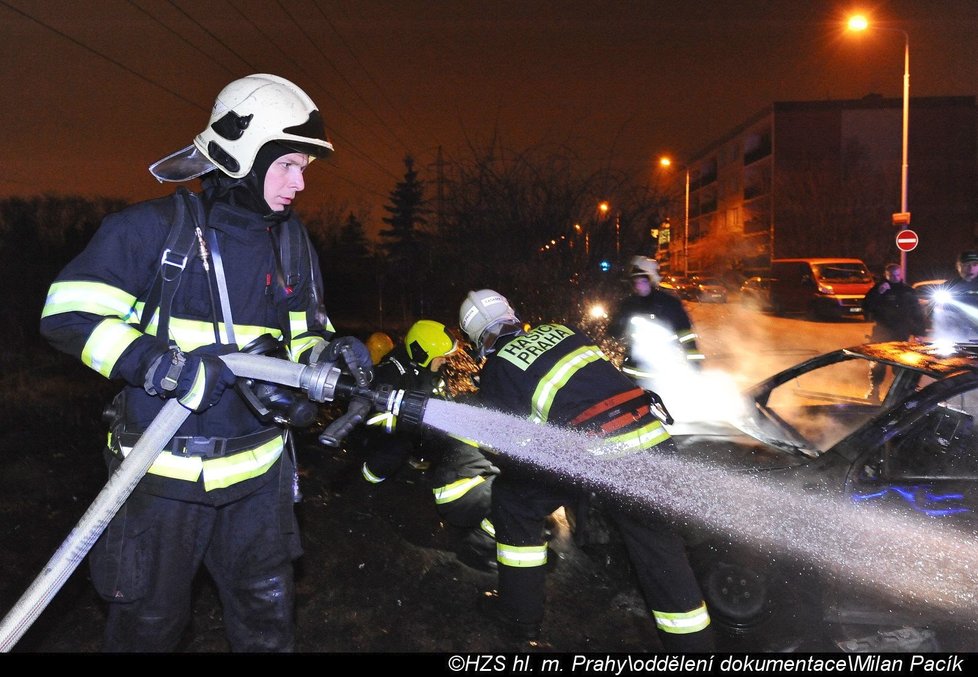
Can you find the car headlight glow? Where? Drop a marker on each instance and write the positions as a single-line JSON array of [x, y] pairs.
[[941, 297]]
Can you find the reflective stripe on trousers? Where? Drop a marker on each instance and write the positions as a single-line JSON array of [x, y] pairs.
[[457, 489], [521, 557], [682, 623]]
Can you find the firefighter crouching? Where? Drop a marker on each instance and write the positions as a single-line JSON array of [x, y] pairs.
[[554, 374], [461, 475]]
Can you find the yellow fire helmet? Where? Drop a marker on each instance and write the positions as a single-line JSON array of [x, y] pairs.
[[426, 340]]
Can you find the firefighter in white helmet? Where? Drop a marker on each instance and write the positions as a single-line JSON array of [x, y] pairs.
[[652, 323], [162, 290], [554, 374]]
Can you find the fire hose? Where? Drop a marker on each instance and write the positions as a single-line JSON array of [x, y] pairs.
[[321, 382]]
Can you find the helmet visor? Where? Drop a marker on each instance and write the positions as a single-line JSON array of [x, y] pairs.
[[492, 334], [183, 165]]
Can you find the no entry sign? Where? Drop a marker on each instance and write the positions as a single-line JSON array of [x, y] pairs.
[[906, 240]]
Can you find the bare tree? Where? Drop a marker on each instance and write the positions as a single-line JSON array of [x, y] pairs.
[[527, 223]]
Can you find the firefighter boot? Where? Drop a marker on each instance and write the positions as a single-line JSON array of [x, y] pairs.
[[128, 630], [259, 613], [702, 641], [518, 605], [478, 550], [492, 608]]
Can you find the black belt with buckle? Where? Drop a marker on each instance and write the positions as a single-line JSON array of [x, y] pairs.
[[205, 447]]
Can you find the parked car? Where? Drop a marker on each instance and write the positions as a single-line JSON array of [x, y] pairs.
[[821, 288], [833, 508], [707, 290], [756, 292], [678, 285]]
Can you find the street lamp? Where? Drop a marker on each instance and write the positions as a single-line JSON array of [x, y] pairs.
[[604, 207], [860, 23], [667, 162]]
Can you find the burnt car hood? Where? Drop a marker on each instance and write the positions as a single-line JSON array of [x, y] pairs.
[[727, 445]]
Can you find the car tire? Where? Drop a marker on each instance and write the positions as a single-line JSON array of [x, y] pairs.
[[756, 603], [736, 594]]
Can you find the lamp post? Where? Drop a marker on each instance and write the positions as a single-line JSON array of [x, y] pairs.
[[667, 162], [860, 23], [686, 230], [604, 207]]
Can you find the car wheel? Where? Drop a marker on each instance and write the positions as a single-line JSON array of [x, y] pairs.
[[736, 594]]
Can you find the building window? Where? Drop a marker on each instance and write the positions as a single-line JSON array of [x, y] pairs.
[[708, 201], [757, 216], [757, 181], [757, 146]]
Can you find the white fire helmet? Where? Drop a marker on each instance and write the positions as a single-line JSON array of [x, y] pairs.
[[484, 316], [247, 114], [643, 266]]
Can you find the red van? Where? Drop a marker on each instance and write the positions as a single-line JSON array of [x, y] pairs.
[[820, 288]]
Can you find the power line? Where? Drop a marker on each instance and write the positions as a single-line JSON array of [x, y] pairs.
[[181, 37], [370, 78], [364, 156], [334, 169], [343, 77], [349, 144], [214, 37], [103, 56], [356, 152], [339, 74]]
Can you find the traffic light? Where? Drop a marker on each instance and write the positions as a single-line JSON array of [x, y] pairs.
[[605, 265]]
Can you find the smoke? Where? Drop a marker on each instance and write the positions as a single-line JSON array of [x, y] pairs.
[[690, 390]]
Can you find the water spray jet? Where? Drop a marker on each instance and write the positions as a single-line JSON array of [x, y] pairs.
[[908, 558]]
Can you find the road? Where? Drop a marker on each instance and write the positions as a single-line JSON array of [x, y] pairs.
[[751, 345]]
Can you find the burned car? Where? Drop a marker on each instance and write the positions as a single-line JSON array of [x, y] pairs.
[[853, 577]]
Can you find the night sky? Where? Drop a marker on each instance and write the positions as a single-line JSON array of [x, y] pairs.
[[95, 91]]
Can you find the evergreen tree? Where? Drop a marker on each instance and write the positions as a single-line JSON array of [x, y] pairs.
[[348, 267], [406, 245], [352, 244]]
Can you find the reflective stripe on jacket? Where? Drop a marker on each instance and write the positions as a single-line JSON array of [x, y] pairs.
[[555, 374], [95, 305]]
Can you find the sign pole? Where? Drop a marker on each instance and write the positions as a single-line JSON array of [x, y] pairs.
[[906, 240]]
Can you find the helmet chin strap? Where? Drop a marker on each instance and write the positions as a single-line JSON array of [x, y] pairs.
[[245, 193], [278, 217]]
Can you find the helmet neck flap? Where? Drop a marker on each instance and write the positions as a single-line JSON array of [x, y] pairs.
[[248, 192]]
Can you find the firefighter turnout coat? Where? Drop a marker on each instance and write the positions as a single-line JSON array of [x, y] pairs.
[[461, 475], [95, 311], [663, 310]]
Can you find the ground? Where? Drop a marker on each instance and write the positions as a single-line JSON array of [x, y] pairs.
[[379, 573]]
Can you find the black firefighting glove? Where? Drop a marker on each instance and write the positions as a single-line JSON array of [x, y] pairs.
[[197, 379], [348, 351]]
